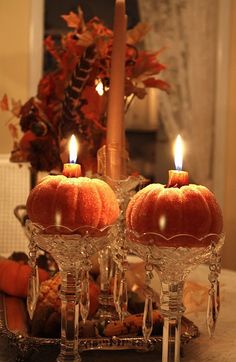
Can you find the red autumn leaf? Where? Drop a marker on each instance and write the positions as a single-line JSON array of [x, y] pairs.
[[137, 33], [97, 27], [72, 20], [52, 48], [146, 64], [49, 43], [86, 39], [133, 89], [13, 130], [157, 83], [102, 47], [70, 44], [46, 86], [4, 103], [95, 107]]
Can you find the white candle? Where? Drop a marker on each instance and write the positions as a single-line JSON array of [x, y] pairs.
[[115, 113]]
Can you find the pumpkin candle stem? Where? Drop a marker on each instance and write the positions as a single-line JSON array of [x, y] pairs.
[[178, 178], [71, 170]]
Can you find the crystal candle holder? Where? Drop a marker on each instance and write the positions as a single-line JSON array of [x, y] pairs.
[[112, 264], [173, 260], [20, 213], [113, 260], [71, 249]]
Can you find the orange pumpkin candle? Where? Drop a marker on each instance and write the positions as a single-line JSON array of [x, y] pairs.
[[72, 169], [175, 208], [72, 201]]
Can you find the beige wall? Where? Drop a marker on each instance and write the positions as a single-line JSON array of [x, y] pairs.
[[229, 255], [14, 58]]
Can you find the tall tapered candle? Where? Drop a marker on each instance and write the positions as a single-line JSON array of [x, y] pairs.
[[115, 114]]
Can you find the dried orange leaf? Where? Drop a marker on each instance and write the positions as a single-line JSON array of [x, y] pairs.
[[137, 33], [85, 39], [16, 107], [72, 20], [156, 83], [4, 103], [13, 130]]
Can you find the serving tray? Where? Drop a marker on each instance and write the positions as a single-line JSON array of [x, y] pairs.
[[27, 347]]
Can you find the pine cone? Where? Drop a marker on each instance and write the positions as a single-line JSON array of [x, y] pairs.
[[46, 321], [132, 325], [49, 293]]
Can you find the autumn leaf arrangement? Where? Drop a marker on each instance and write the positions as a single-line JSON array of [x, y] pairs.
[[73, 97]]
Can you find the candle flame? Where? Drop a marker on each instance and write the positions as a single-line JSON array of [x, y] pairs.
[[178, 153], [99, 88], [73, 148]]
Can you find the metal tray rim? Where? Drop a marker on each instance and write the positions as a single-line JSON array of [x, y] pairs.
[[25, 342]]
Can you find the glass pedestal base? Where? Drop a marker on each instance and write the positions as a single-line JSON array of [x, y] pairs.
[[173, 260]]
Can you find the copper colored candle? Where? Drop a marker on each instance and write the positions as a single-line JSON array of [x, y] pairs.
[[115, 111], [71, 170], [177, 178]]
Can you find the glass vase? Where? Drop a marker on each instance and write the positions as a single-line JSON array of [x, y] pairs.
[[173, 260]]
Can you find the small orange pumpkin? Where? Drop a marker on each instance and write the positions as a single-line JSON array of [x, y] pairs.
[[14, 277], [72, 202], [169, 211]]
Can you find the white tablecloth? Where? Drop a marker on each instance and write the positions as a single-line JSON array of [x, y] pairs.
[[222, 347]]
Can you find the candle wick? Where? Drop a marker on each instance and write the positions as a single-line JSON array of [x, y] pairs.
[[178, 168], [169, 186]]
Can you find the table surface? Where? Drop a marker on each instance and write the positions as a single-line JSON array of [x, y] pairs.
[[220, 348]]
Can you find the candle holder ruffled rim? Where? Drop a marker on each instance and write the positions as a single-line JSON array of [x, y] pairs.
[[65, 230], [188, 241], [185, 248], [81, 242], [174, 258]]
